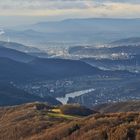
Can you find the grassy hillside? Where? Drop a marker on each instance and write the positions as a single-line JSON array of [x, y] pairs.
[[127, 106], [37, 121]]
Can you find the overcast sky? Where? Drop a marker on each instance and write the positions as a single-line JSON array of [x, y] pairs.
[[37, 10]]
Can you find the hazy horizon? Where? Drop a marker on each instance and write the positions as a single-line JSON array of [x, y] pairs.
[[17, 12], [28, 20]]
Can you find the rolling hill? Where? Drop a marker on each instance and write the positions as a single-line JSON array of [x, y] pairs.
[[22, 49], [64, 67], [128, 106], [15, 55], [16, 65], [44, 69], [127, 41], [40, 68], [37, 121], [13, 70], [131, 64], [10, 95], [19, 47], [105, 52]]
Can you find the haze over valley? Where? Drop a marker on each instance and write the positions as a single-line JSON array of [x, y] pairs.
[[69, 70], [53, 64]]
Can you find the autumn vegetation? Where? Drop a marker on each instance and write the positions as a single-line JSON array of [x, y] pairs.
[[75, 109], [38, 121]]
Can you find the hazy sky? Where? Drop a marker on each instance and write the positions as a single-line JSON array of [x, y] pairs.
[[27, 11]]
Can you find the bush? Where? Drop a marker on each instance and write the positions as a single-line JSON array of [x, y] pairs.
[[76, 110]]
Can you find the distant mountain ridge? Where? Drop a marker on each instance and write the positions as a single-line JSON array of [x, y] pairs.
[[15, 55], [33, 51], [131, 63], [127, 41], [19, 47], [94, 30], [16, 64], [50, 69], [105, 51], [44, 68], [10, 95]]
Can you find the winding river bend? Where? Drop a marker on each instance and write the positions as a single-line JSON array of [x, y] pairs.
[[65, 99]]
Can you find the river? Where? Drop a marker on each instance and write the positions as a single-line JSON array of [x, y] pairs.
[[65, 99]]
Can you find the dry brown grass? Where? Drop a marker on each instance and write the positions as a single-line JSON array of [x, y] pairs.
[[26, 122]]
